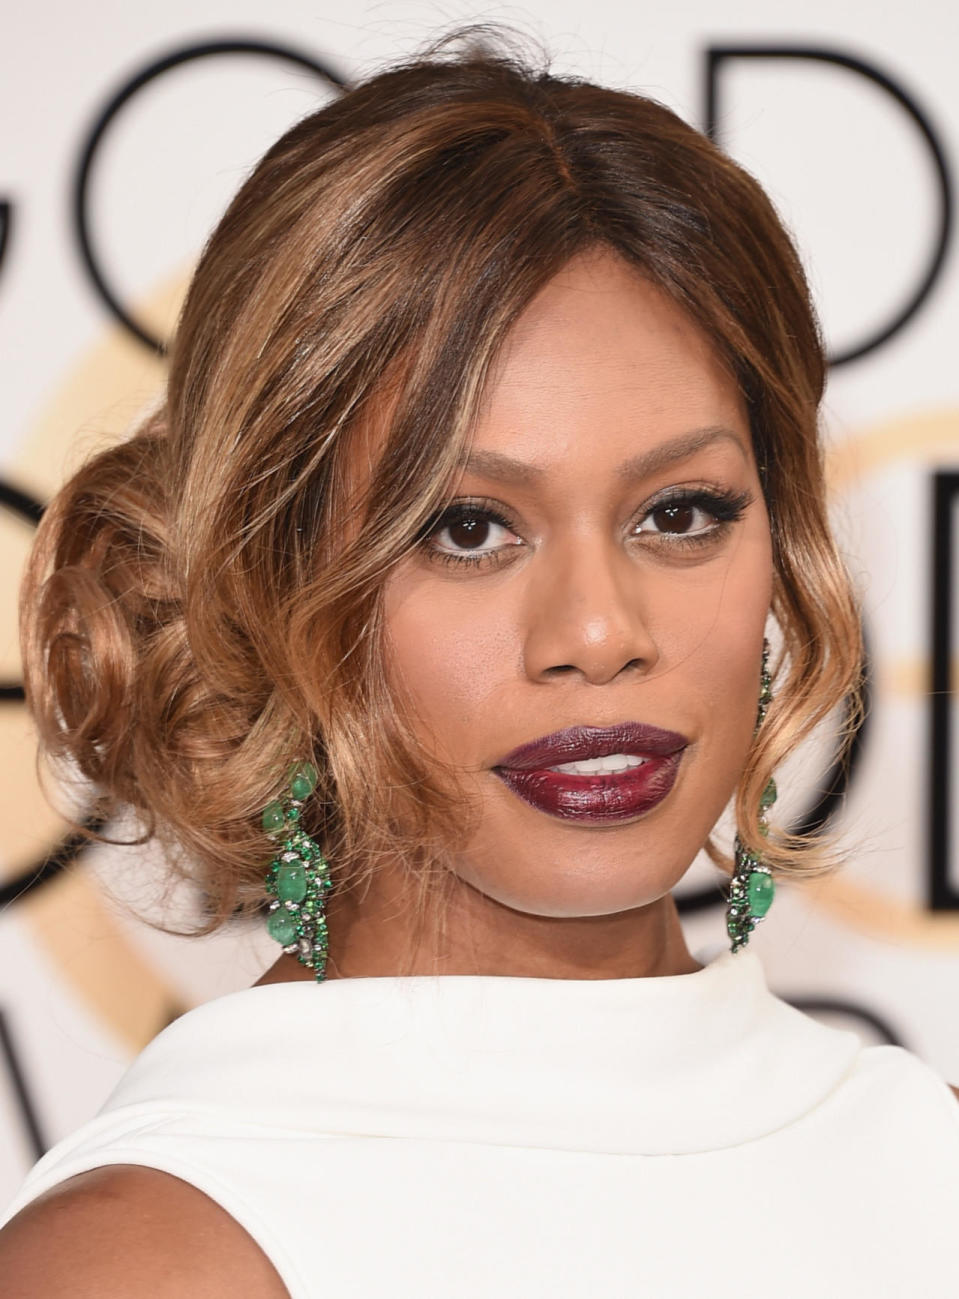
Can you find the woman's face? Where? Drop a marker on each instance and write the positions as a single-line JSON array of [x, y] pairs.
[[606, 563]]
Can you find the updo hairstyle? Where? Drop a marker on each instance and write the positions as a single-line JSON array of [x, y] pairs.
[[203, 603]]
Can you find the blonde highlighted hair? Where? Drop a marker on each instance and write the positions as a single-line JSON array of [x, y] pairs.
[[203, 603]]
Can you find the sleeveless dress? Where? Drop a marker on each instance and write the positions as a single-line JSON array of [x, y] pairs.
[[475, 1137]]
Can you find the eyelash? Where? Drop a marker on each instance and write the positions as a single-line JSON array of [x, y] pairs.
[[725, 506]]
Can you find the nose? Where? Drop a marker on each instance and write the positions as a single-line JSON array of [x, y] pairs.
[[585, 615]]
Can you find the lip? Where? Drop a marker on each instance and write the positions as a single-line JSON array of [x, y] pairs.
[[578, 742], [600, 798]]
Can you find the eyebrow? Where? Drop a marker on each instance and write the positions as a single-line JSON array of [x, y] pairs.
[[503, 468]]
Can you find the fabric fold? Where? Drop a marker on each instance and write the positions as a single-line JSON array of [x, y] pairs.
[[676, 1064]]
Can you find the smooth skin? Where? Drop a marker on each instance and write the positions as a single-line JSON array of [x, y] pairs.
[[593, 610], [611, 593]]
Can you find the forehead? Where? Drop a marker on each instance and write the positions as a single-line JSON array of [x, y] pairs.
[[604, 356]]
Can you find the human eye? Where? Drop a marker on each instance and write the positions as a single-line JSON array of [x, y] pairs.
[[691, 516], [469, 532]]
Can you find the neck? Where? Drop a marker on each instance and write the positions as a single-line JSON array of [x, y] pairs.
[[378, 934]]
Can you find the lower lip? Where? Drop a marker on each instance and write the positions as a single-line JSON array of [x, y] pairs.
[[602, 799]]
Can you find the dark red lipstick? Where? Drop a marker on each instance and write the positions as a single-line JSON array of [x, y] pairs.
[[597, 798]]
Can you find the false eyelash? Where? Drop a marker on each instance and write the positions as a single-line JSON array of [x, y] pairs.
[[454, 514], [725, 506], [470, 509]]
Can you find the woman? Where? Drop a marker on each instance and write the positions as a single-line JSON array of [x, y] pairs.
[[429, 614]]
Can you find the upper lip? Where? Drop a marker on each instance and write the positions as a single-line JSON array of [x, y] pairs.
[[578, 742]]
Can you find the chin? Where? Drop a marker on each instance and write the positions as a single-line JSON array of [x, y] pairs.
[[572, 893]]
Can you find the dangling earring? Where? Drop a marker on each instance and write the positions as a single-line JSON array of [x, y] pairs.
[[752, 887], [298, 878]]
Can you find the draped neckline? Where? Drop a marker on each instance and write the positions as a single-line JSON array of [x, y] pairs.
[[676, 1064]]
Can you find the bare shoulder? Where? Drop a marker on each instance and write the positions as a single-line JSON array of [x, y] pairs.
[[954, 1090], [124, 1230]]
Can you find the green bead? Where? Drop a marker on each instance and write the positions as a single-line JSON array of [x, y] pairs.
[[769, 795], [291, 882], [762, 889], [303, 780], [281, 925], [273, 818]]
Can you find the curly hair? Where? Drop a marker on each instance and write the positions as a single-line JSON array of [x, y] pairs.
[[203, 603]]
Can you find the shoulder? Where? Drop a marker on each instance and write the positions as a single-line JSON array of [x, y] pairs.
[[954, 1090], [124, 1229]]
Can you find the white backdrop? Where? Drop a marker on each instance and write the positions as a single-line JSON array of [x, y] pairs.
[[83, 984]]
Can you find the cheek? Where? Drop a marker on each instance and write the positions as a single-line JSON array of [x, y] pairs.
[[723, 646], [722, 601], [451, 658]]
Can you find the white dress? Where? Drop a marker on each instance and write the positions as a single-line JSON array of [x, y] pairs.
[[462, 1137]]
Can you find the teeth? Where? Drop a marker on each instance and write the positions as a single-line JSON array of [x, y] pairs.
[[591, 766]]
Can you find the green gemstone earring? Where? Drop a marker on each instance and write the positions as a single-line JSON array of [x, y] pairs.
[[298, 878], [752, 887]]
